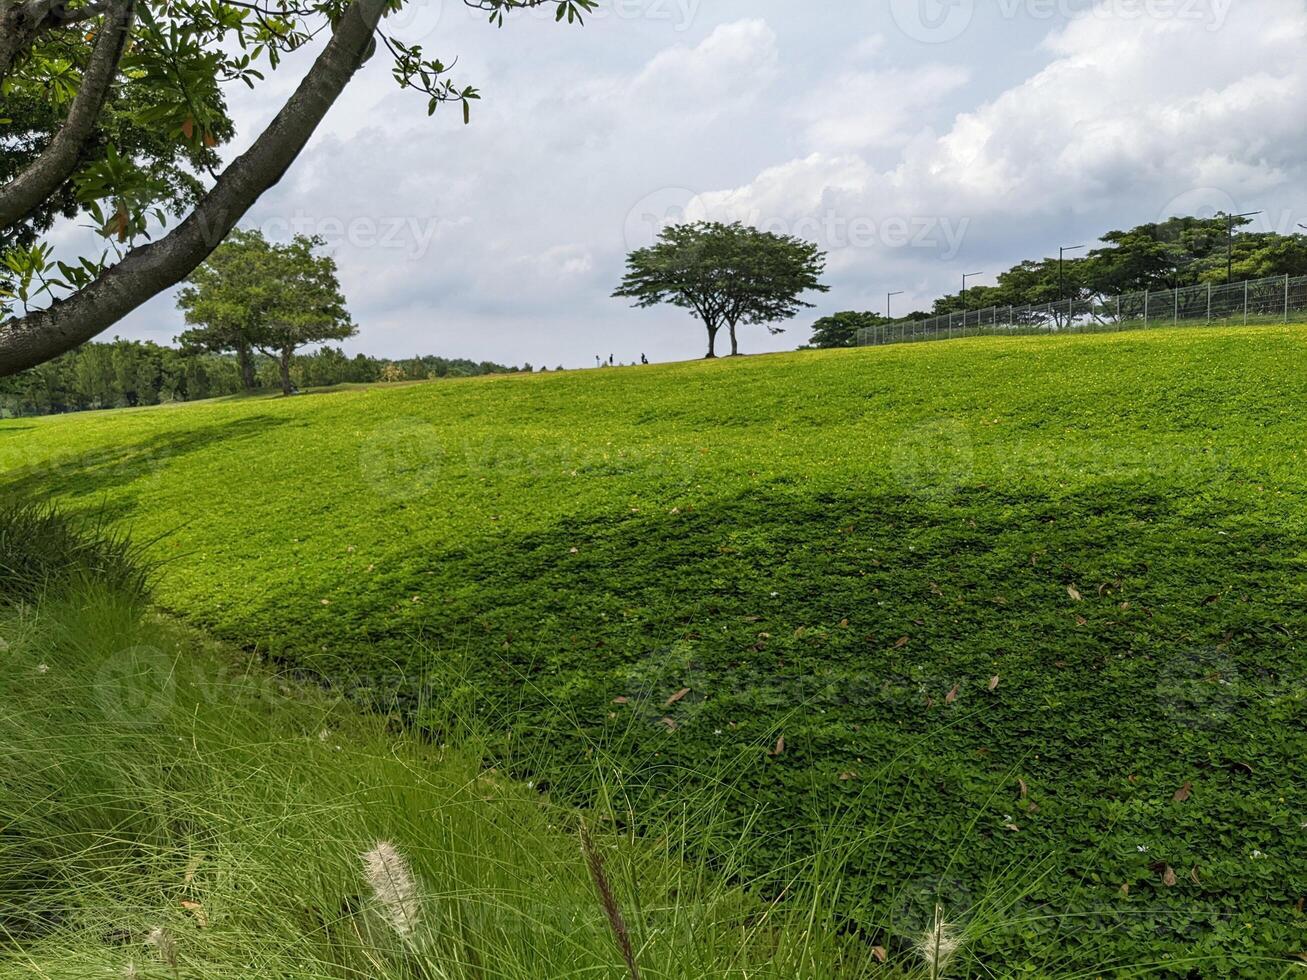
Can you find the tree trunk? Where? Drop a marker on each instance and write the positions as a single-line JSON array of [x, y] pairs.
[[150, 269], [25, 192], [283, 362], [735, 344], [245, 360], [712, 342]]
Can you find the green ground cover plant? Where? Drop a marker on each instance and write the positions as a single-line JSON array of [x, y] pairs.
[[171, 808], [1031, 603]]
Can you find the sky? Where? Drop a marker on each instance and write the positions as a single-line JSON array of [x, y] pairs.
[[914, 140]]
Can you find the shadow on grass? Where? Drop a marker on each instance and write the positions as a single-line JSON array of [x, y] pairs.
[[76, 477]]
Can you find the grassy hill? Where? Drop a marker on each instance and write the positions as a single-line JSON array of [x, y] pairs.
[[1030, 606]]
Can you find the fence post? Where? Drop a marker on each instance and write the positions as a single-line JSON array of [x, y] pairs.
[[1245, 302], [1176, 321], [1209, 302], [1286, 297], [1148, 297]]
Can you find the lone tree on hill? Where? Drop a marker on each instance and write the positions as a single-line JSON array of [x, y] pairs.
[[727, 275], [256, 295], [114, 111]]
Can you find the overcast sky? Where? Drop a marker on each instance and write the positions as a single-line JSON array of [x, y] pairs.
[[914, 139]]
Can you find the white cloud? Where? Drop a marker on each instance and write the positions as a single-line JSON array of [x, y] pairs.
[[904, 159]]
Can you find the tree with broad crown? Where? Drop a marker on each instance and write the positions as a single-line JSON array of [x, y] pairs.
[[253, 294], [119, 117], [727, 275]]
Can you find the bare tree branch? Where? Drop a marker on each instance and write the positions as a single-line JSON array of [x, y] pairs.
[[46, 173], [150, 269]]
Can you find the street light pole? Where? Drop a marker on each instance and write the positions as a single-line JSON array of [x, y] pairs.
[[1061, 267], [969, 275], [888, 298], [1229, 242]]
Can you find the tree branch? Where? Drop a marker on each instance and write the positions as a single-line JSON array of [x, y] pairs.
[[150, 269], [46, 173]]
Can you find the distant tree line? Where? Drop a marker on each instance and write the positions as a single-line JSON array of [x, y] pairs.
[[127, 373], [1164, 255]]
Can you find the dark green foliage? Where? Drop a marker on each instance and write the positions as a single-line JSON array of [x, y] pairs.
[[128, 373], [841, 329], [1173, 253], [44, 552]]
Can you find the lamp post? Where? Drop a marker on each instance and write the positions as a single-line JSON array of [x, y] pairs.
[[969, 275], [1061, 267], [1229, 242], [888, 298]]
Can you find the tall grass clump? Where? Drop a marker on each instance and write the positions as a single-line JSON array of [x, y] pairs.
[[44, 550]]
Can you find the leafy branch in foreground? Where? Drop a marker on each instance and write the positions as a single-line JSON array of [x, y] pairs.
[[119, 118]]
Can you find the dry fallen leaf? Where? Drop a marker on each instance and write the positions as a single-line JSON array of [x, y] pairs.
[[1081, 621], [197, 910], [880, 953], [1022, 788], [1168, 877], [670, 723], [780, 746], [952, 695], [1184, 792], [1011, 826], [1193, 875], [993, 682], [1074, 593], [1125, 890], [901, 642], [846, 776], [621, 700], [677, 696]]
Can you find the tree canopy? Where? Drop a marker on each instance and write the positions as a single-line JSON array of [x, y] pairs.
[[1182, 251], [114, 114], [726, 275], [841, 329], [252, 294]]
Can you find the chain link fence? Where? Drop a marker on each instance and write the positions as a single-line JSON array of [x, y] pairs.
[[1272, 300]]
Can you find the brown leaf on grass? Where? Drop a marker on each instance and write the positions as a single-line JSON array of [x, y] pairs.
[[1081, 621], [1193, 875], [780, 746], [1012, 827], [1125, 890], [1022, 789], [993, 682], [197, 910], [621, 700], [901, 642], [1184, 792], [952, 695], [677, 696], [1168, 875], [670, 723], [880, 953], [1132, 779], [846, 776], [1074, 593]]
